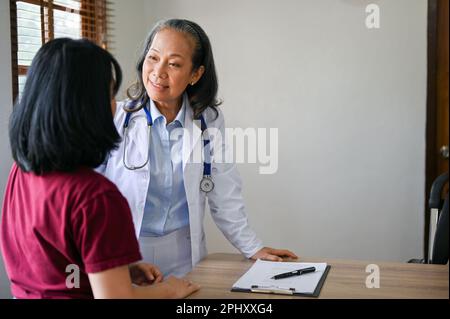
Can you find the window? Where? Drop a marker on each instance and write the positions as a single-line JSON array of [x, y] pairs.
[[34, 22]]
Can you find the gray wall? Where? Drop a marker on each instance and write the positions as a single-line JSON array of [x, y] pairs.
[[5, 109]]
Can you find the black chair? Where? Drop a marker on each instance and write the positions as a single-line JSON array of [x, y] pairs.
[[440, 249], [439, 225]]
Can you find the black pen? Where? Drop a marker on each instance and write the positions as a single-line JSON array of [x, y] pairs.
[[295, 273]]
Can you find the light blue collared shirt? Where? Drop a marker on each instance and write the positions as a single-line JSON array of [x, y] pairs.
[[166, 208]]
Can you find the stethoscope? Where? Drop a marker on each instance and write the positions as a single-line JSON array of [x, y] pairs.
[[206, 184]]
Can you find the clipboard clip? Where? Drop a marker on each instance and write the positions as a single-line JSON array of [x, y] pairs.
[[272, 290]]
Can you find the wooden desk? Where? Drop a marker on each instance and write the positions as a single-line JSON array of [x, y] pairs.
[[218, 272]]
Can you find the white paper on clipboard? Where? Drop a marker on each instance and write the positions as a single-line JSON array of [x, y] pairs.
[[258, 277]]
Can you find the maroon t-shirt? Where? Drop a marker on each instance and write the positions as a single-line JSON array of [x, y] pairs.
[[50, 222]]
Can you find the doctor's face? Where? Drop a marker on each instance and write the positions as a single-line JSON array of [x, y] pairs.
[[167, 68]]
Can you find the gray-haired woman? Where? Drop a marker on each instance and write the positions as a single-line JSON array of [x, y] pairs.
[[164, 125]]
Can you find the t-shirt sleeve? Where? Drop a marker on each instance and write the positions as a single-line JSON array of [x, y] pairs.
[[104, 233]]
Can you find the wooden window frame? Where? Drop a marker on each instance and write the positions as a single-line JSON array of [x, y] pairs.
[[93, 27]]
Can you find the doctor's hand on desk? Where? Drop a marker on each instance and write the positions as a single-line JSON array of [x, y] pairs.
[[143, 274], [272, 254]]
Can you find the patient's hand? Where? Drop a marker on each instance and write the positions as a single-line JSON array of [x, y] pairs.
[[144, 274]]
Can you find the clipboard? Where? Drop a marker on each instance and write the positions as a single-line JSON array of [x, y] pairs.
[[278, 289]]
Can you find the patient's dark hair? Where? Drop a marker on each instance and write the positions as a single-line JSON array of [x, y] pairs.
[[63, 119]]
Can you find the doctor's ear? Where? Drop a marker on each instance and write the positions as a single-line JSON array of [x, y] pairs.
[[197, 74]]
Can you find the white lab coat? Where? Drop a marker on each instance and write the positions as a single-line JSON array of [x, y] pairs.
[[225, 200]]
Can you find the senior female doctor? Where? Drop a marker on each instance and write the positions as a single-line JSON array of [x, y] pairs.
[[164, 126]]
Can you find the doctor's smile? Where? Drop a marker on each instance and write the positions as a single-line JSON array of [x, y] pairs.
[[159, 87]]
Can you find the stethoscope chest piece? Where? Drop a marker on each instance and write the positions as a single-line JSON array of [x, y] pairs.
[[206, 184]]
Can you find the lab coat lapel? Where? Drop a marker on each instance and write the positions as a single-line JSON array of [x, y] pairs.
[[192, 154], [191, 138]]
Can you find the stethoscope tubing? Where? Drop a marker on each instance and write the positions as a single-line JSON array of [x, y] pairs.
[[206, 142]]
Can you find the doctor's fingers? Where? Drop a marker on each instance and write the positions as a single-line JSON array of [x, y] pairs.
[[271, 257], [282, 252]]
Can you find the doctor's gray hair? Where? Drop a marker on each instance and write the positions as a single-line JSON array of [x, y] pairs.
[[202, 94]]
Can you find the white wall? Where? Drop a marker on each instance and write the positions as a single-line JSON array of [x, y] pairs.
[[349, 104], [5, 109], [126, 37]]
